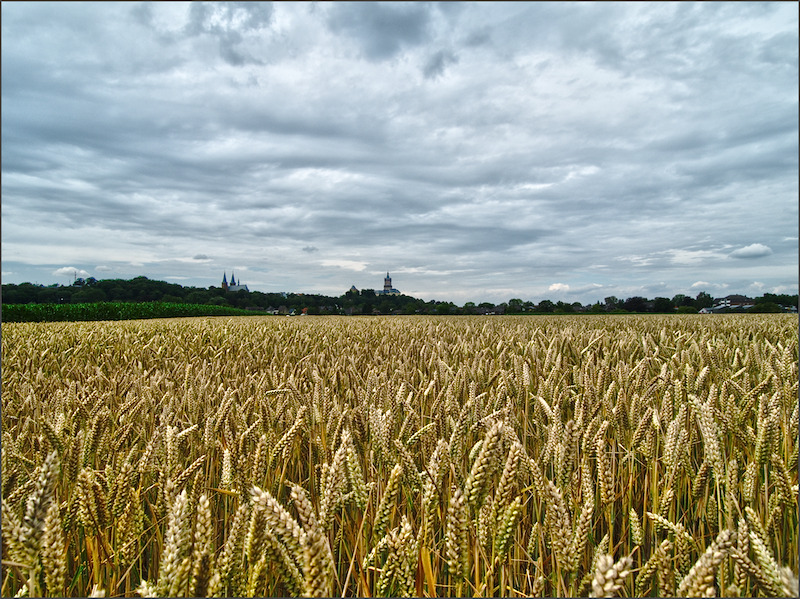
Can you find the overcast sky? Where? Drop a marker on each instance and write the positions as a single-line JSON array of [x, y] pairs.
[[476, 151]]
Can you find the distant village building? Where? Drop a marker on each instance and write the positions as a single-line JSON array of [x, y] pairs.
[[729, 302], [734, 301], [387, 287], [233, 285]]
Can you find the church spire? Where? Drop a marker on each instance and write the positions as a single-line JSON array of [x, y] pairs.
[[224, 281]]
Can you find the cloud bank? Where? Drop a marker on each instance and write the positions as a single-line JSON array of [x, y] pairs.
[[478, 151], [754, 250]]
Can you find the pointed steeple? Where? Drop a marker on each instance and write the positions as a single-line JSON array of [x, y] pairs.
[[233, 281], [224, 281]]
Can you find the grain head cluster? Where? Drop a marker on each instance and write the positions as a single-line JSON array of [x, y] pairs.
[[474, 456]]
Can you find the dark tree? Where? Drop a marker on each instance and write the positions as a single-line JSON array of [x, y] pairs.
[[48, 295], [703, 300], [546, 306], [198, 297], [663, 305], [515, 305], [635, 304], [682, 300], [88, 295], [445, 308], [564, 307], [766, 308]]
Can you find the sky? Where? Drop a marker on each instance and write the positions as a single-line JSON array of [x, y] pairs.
[[475, 151]]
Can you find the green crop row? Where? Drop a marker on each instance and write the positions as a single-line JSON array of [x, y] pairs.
[[111, 311]]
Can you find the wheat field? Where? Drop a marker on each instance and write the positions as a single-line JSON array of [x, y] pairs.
[[401, 456]]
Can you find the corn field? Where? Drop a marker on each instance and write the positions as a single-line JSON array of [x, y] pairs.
[[401, 456]]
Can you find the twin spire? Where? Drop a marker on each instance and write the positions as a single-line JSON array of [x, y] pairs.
[[233, 285]]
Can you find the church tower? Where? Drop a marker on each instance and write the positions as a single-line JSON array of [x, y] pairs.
[[233, 286], [387, 284]]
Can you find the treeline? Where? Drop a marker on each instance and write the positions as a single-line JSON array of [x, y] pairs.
[[142, 289], [680, 303], [365, 301]]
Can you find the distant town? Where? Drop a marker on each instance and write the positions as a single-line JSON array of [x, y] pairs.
[[235, 293]]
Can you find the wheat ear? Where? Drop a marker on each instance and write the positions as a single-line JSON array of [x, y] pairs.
[[700, 579], [609, 576]]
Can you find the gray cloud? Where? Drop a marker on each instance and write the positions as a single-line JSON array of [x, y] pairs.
[[478, 151], [229, 22], [478, 37], [754, 250], [382, 29], [208, 17], [437, 63]]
